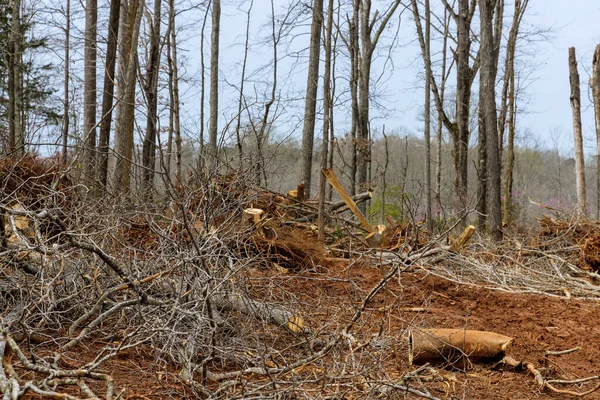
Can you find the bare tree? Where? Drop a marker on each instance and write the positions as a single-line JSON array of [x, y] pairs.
[[16, 135], [130, 19], [595, 83], [238, 122], [488, 105], [109, 89], [65, 127], [89, 95], [577, 132], [174, 115], [326, 117], [214, 84], [425, 42], [369, 36], [151, 90], [201, 150], [312, 85], [508, 107]]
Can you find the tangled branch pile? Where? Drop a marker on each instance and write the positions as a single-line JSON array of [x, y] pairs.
[[215, 304]]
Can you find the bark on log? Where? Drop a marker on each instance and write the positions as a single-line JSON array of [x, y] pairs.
[[452, 344], [357, 198], [259, 310]]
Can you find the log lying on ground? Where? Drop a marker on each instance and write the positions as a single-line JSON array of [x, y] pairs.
[[357, 198], [259, 310], [426, 345]]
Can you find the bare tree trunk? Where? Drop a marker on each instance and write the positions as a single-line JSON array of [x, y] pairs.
[[151, 89], [89, 96], [202, 152], [463, 102], [15, 84], [595, 83], [488, 102], [131, 16], [482, 181], [241, 96], [312, 85], [65, 127], [174, 94], [508, 106], [171, 106], [326, 115], [369, 37], [109, 89], [354, 50], [510, 151], [214, 85], [427, 112], [577, 132]]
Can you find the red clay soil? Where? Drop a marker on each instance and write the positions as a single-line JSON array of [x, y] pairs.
[[415, 300]]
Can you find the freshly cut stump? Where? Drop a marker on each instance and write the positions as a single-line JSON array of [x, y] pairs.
[[426, 345]]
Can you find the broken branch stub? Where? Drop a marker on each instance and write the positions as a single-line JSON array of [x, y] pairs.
[[426, 345], [462, 240]]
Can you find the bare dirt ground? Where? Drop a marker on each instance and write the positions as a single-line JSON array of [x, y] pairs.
[[415, 299]]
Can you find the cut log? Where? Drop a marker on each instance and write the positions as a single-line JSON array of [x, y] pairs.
[[259, 310], [462, 240], [426, 345]]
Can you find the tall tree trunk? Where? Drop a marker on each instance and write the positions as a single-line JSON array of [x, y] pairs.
[[65, 127], [312, 85], [488, 102], [151, 89], [214, 85], [369, 36], [89, 96], [201, 147], [354, 50], [508, 107], [15, 84], [463, 102], [482, 176], [364, 80], [326, 116], [174, 72], [238, 123], [595, 83], [131, 16], [510, 152], [427, 115], [109, 89], [577, 132]]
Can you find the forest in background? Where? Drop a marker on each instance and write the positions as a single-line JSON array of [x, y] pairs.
[[127, 109]]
